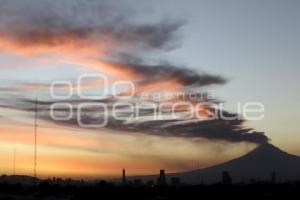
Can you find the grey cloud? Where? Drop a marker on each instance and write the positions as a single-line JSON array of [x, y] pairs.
[[163, 70], [53, 22]]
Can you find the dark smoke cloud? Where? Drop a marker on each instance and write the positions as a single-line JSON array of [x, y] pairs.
[[187, 77], [163, 71], [55, 22], [218, 129]]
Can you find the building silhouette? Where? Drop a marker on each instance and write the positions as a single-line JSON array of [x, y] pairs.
[[161, 181], [124, 182]]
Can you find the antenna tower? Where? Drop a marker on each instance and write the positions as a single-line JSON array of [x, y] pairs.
[[35, 137]]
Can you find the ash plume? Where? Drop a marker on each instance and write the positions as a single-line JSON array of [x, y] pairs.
[[111, 38]]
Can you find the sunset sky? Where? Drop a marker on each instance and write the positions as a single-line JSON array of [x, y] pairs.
[[236, 51]]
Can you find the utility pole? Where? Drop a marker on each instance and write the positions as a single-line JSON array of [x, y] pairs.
[[35, 137]]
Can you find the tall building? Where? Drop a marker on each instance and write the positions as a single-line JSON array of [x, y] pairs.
[[124, 177], [161, 181]]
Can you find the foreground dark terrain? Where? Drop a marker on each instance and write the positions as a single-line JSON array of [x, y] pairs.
[[266, 172], [103, 190]]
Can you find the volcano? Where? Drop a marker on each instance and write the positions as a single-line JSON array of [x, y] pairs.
[[258, 165]]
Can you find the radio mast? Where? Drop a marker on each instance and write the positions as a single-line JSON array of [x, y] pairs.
[[35, 136]]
